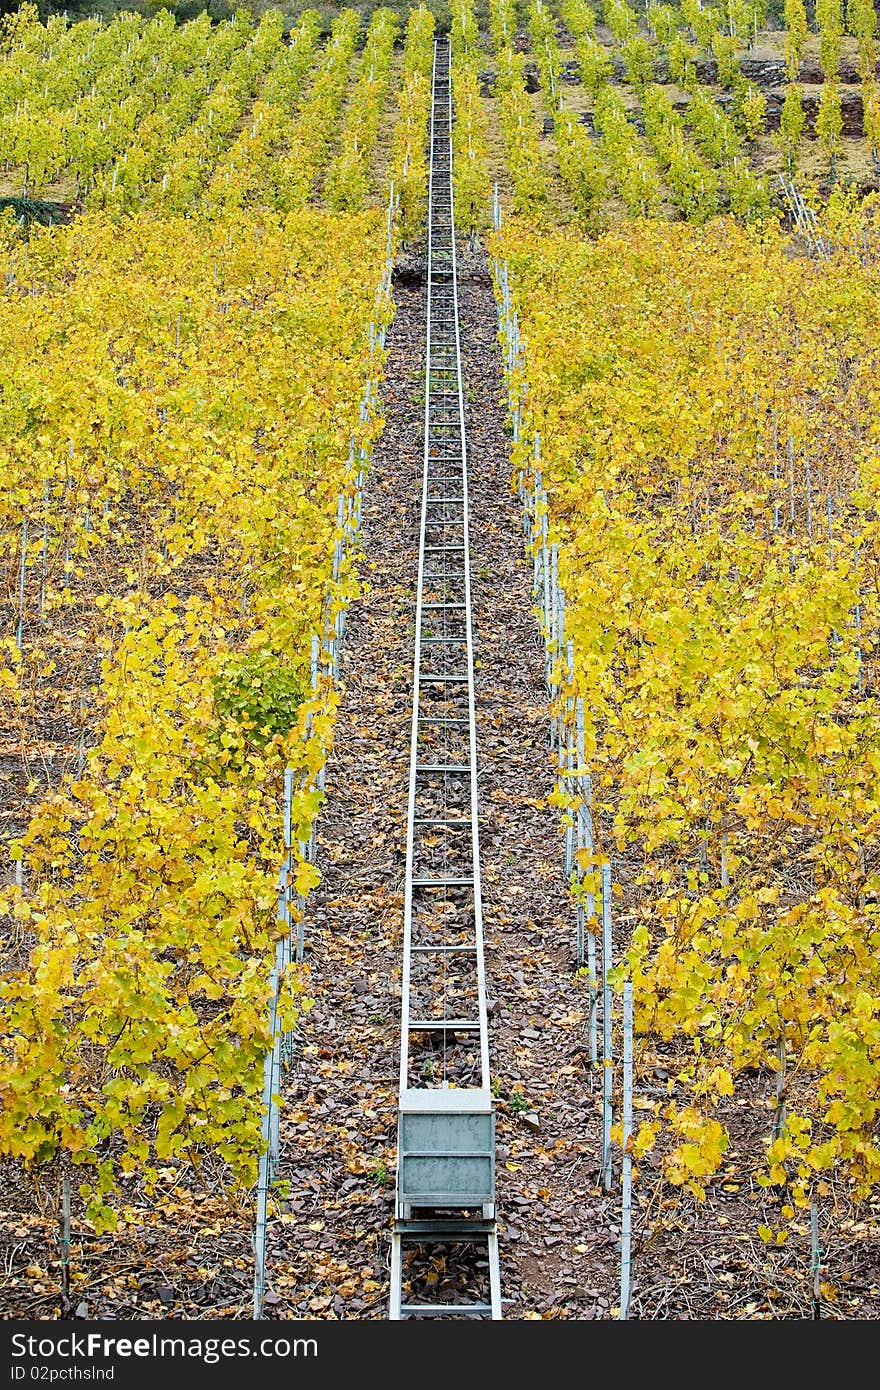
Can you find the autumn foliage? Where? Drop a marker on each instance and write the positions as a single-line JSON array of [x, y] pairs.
[[707, 406]]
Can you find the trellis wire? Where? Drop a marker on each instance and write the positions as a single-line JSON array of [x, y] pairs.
[[549, 598], [567, 723], [324, 658]]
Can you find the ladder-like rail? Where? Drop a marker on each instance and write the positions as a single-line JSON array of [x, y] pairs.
[[446, 1138]]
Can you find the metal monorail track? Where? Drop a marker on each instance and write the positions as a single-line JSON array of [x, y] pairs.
[[446, 1124]]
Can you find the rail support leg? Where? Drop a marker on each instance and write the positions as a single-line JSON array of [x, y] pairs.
[[396, 1277], [494, 1275]]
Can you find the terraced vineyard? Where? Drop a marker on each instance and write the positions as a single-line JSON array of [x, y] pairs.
[[268, 321]]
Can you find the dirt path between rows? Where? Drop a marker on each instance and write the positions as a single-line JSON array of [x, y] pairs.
[[329, 1255]]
